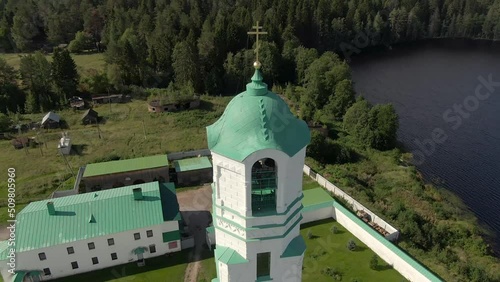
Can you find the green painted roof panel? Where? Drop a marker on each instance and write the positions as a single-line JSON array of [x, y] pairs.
[[114, 211], [4, 249], [192, 164], [228, 256], [171, 236], [316, 196], [295, 248], [125, 165], [255, 120]]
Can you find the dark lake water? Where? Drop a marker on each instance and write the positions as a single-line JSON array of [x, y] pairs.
[[449, 114]]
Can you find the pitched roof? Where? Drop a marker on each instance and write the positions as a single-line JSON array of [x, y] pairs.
[[90, 215], [254, 120], [125, 165], [192, 164], [91, 113], [51, 116]]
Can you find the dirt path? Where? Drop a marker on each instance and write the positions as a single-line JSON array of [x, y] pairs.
[[4, 232], [195, 206]]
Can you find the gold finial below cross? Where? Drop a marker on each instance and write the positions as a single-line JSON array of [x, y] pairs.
[[257, 32]]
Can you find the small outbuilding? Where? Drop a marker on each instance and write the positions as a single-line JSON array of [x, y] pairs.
[[90, 116], [114, 174], [77, 103], [64, 145], [51, 120], [193, 171]]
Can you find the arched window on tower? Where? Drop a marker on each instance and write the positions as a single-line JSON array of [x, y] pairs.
[[264, 186]]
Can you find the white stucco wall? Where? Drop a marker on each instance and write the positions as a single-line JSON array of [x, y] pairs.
[[315, 215], [59, 261]]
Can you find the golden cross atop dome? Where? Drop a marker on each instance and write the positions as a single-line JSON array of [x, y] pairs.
[[257, 32]]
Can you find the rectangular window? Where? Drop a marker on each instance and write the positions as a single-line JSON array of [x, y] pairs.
[[149, 233], [74, 265], [91, 245], [137, 236], [172, 245], [70, 250], [114, 256], [152, 249], [42, 256], [46, 271], [111, 242], [95, 260], [263, 264]]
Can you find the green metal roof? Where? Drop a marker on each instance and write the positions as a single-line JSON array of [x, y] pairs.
[[254, 120], [4, 249], [316, 198], [113, 211], [125, 165], [171, 236], [295, 248], [192, 164], [228, 256]]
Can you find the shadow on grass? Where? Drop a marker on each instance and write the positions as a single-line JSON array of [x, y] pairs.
[[78, 149], [206, 105], [360, 249], [383, 267], [319, 222], [130, 269]]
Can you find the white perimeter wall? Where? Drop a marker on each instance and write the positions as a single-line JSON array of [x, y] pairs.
[[315, 215], [402, 265]]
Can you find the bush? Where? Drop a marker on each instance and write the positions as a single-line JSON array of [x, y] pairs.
[[334, 229], [332, 272], [351, 245], [309, 234], [374, 262]]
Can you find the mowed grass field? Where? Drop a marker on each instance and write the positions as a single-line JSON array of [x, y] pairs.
[[82, 61], [128, 131]]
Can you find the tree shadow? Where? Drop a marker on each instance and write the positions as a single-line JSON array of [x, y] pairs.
[[78, 149], [206, 105], [383, 267], [360, 249]]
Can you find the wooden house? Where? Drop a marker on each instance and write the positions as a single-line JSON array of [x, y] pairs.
[[90, 116]]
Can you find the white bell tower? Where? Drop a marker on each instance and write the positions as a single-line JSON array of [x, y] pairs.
[[258, 149]]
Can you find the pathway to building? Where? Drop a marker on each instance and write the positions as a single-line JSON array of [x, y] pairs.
[[195, 206], [4, 232]]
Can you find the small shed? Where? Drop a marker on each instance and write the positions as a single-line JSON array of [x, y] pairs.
[[64, 145], [90, 116], [77, 103], [51, 120], [193, 171]]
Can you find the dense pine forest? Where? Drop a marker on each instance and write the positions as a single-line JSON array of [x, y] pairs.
[[203, 43], [202, 47]]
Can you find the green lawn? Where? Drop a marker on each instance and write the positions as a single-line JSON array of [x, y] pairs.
[[326, 249], [207, 271], [160, 268], [122, 137], [308, 183], [83, 61]]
